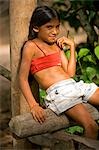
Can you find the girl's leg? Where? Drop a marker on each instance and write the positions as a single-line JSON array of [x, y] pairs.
[[94, 99], [80, 114]]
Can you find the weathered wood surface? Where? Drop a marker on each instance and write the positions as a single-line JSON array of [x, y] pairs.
[[5, 73], [52, 143], [20, 14], [24, 125], [50, 139]]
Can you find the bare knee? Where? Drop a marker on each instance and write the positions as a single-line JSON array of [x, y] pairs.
[[92, 126]]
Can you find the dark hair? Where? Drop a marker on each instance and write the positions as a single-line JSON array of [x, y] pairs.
[[41, 15]]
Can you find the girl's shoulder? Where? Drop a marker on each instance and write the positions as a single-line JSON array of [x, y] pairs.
[[28, 48], [29, 44]]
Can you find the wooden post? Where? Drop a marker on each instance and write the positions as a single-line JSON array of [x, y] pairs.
[[20, 14]]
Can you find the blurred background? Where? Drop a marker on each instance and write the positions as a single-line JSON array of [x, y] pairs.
[[5, 111]]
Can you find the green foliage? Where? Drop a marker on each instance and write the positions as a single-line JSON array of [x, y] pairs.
[[83, 52], [87, 65], [42, 96], [96, 51], [75, 130]]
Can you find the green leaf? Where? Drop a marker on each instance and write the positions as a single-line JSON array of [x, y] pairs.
[[83, 52], [89, 58], [91, 15], [67, 53], [95, 44], [42, 93], [96, 50], [74, 129], [84, 77], [91, 72]]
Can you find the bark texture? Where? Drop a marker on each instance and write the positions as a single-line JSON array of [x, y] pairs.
[[24, 125], [20, 14]]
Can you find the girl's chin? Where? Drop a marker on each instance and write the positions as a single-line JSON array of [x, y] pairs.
[[51, 41]]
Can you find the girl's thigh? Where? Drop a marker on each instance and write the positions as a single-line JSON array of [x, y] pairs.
[[80, 114], [94, 99]]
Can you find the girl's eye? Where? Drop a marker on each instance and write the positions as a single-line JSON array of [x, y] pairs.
[[49, 27], [57, 26]]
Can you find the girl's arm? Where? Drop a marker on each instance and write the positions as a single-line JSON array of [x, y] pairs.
[[68, 65], [37, 112]]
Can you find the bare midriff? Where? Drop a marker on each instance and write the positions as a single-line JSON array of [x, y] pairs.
[[50, 76]]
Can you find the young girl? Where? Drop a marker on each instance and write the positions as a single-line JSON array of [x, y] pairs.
[[44, 58]]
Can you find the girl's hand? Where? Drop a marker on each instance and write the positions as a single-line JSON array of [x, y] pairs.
[[38, 113], [64, 41]]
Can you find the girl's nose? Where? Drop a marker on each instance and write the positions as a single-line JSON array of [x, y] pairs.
[[54, 31]]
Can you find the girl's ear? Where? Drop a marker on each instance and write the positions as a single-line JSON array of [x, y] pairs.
[[35, 29]]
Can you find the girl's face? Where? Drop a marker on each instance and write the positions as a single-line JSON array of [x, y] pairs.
[[49, 31]]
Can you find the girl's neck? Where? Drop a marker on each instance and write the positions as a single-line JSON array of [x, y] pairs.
[[45, 46], [39, 41]]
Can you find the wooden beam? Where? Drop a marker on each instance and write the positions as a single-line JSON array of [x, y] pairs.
[[56, 137], [5, 73], [24, 125], [48, 140]]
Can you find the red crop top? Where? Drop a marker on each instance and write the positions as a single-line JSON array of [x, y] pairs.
[[44, 62]]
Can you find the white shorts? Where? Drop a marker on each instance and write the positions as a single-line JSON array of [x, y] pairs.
[[67, 93]]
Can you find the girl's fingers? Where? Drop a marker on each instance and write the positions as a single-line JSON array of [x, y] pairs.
[[39, 114], [65, 41], [60, 43], [34, 117], [42, 116], [39, 118]]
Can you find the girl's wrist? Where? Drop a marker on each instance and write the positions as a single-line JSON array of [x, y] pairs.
[[34, 105], [72, 44]]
